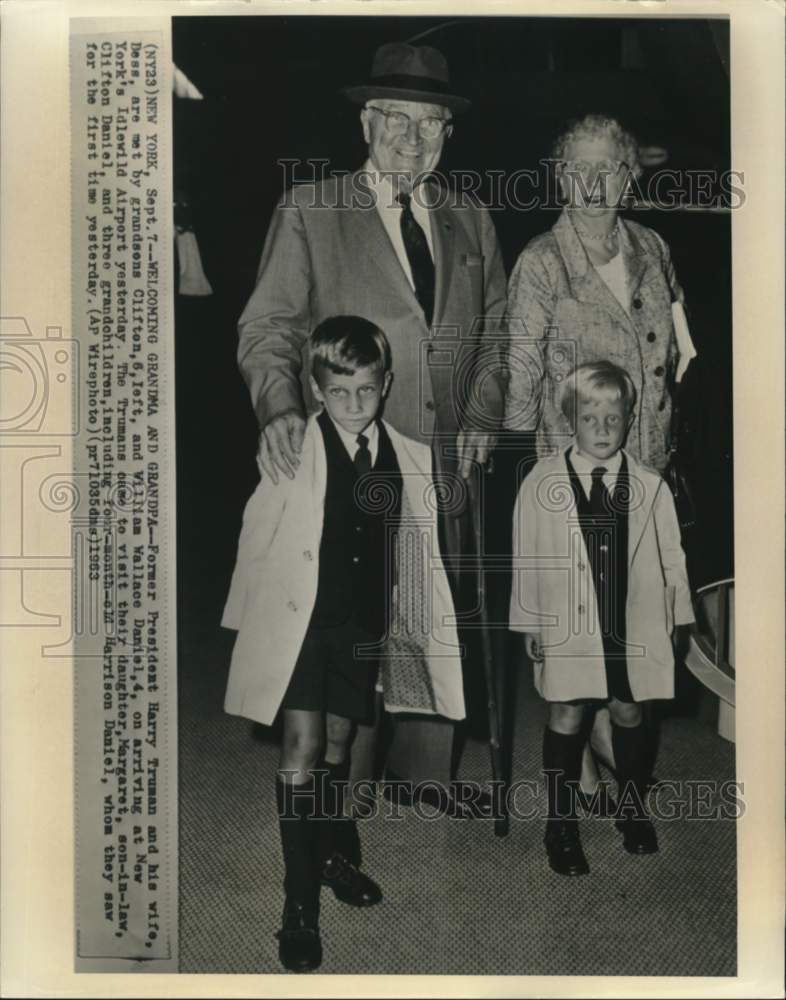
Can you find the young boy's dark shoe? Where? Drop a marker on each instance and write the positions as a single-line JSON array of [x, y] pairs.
[[563, 846], [349, 885], [299, 944], [639, 836]]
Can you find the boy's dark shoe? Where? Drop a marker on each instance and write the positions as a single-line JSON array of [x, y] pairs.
[[349, 885], [639, 836], [299, 944], [563, 846]]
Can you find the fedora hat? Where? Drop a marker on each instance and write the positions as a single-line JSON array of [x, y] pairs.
[[409, 73]]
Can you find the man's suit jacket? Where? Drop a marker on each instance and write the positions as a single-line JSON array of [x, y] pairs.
[[326, 254]]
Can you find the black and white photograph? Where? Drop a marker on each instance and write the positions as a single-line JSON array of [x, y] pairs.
[[391, 428], [494, 253]]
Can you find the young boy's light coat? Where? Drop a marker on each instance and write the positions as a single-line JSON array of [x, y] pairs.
[[274, 586], [554, 597]]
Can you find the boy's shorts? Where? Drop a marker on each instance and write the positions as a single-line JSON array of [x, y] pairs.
[[330, 677]]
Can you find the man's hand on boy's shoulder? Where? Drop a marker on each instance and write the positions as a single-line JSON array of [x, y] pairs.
[[280, 443]]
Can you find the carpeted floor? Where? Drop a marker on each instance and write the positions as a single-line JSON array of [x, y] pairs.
[[458, 900]]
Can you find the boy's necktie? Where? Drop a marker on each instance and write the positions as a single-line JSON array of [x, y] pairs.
[[420, 262], [600, 501], [362, 456]]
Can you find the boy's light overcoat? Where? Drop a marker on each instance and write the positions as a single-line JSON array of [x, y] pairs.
[[274, 588], [554, 596]]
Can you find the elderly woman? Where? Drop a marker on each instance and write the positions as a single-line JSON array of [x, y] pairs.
[[594, 287]]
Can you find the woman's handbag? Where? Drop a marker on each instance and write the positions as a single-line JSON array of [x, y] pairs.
[[673, 474], [675, 477]]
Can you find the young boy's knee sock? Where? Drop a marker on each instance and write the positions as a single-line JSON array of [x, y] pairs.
[[337, 832], [632, 760], [297, 807], [562, 764]]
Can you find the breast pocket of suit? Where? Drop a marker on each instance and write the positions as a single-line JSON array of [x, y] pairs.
[[470, 273]]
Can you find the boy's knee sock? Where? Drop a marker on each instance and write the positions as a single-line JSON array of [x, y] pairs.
[[337, 832], [562, 764], [632, 760], [297, 806]]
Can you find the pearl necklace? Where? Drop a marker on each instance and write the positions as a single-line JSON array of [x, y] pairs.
[[590, 236]]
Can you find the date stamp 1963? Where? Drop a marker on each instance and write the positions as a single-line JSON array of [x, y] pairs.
[[123, 579]]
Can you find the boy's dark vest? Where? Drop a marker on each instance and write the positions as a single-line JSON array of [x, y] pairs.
[[355, 553], [606, 541]]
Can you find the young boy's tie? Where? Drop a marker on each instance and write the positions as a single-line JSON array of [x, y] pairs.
[[362, 456], [599, 495]]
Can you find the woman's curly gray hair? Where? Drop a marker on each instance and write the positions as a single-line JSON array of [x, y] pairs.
[[596, 126]]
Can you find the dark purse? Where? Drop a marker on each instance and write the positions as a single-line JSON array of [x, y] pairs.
[[675, 477]]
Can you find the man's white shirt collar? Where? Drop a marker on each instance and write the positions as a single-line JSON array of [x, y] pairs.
[[381, 184]]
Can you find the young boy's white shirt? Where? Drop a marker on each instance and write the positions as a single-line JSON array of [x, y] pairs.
[[274, 583], [584, 464], [350, 441], [553, 594]]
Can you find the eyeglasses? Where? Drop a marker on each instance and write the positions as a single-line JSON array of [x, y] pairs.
[[397, 123], [585, 168]]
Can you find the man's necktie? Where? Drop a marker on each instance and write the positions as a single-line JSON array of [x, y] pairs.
[[362, 456], [420, 262], [600, 501]]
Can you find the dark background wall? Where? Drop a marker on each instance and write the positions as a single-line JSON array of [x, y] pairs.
[[271, 87]]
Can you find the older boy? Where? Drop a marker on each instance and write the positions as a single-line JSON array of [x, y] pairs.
[[599, 584], [311, 597]]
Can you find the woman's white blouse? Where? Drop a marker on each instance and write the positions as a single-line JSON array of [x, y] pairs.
[[613, 273]]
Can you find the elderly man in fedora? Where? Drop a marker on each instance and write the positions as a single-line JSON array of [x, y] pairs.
[[388, 244]]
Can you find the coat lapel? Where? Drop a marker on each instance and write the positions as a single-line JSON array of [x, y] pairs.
[[443, 237], [644, 487], [306, 498], [586, 283], [642, 497], [367, 231], [317, 478], [635, 257]]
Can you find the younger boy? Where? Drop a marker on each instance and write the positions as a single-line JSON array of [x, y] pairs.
[[311, 598], [599, 583]]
